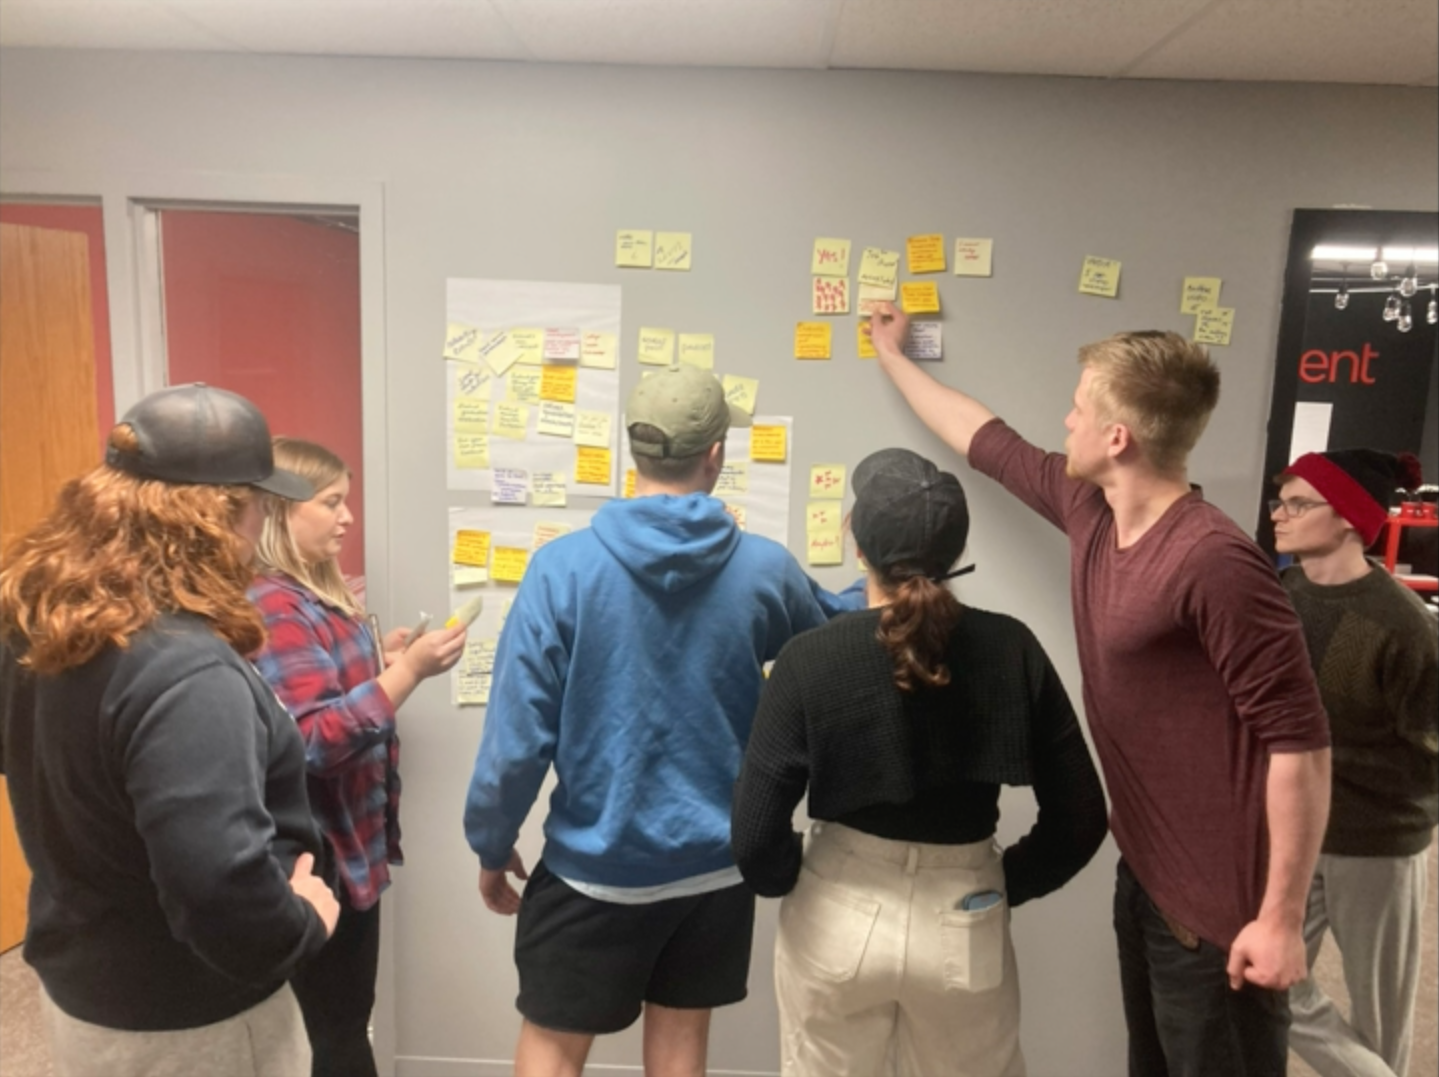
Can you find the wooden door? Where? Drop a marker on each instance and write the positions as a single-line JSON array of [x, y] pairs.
[[47, 429]]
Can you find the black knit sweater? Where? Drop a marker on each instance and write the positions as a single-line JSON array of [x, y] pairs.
[[925, 766]]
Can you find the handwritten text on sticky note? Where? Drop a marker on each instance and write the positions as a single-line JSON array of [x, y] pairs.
[[471, 548], [830, 295], [973, 257], [657, 346], [1099, 276], [926, 253], [1198, 293], [672, 250], [827, 481], [919, 297], [698, 350], [634, 248], [812, 340], [878, 267], [509, 564], [830, 258], [592, 465], [768, 444]]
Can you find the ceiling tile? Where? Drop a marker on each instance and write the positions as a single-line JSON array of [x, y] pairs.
[[721, 33], [1375, 41], [1054, 37], [423, 28], [87, 24]]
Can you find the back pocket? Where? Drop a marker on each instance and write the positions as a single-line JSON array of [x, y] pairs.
[[973, 948], [825, 927]]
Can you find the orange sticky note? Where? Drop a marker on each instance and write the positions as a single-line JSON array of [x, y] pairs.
[[926, 253], [768, 444], [557, 383], [919, 297], [812, 340], [592, 465], [471, 548]]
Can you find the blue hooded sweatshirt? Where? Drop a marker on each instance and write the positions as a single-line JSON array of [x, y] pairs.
[[632, 660]]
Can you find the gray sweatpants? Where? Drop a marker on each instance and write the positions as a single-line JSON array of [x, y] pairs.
[[1375, 907], [267, 1040]]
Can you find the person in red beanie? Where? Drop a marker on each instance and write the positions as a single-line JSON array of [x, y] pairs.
[[1376, 656]]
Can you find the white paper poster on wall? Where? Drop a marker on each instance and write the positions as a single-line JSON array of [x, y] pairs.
[[489, 550], [756, 491], [535, 387], [1311, 429]]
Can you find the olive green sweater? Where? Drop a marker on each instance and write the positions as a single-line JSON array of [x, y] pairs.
[[1375, 653]]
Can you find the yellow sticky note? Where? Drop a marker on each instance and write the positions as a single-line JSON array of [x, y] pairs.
[[529, 345], [547, 489], [522, 385], [545, 533], [510, 420], [768, 444], [634, 249], [830, 258], [737, 512], [462, 343], [733, 479], [500, 352], [598, 350], [1099, 276], [593, 428], [557, 420], [510, 564], [1213, 325], [557, 382], [741, 392], [824, 546], [592, 465], [630, 483], [471, 548], [823, 516], [472, 416], [863, 342], [698, 349], [812, 340], [827, 481], [672, 250], [657, 347], [919, 297], [879, 268], [829, 295], [472, 382], [462, 576], [973, 257], [472, 451], [926, 253], [1199, 292]]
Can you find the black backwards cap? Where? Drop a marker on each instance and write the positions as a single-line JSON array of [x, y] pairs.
[[203, 436], [908, 515]]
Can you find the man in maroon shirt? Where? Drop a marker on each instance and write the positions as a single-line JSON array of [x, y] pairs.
[[1198, 691]]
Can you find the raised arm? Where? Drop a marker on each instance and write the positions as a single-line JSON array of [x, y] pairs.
[[952, 415]]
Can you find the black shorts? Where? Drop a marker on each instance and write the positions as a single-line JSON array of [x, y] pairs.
[[589, 966]]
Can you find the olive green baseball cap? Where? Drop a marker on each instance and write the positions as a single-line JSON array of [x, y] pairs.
[[685, 404]]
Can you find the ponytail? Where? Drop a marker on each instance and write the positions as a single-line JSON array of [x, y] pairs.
[[915, 629]]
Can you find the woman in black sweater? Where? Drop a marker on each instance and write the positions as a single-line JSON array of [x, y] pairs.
[[903, 721]]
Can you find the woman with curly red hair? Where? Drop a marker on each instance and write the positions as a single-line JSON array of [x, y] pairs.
[[158, 785]]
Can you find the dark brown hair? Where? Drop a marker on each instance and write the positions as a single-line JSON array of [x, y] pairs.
[[915, 629]]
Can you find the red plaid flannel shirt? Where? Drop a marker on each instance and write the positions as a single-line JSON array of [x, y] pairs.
[[322, 663]]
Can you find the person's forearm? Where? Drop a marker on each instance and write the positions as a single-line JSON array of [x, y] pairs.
[[952, 415], [398, 681], [1297, 805]]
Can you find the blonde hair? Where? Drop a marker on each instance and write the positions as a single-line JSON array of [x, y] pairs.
[[277, 551], [1159, 385], [117, 552]]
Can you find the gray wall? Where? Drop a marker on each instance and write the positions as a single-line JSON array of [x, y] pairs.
[[525, 172]]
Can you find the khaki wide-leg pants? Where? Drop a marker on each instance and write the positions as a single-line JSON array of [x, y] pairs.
[[878, 971]]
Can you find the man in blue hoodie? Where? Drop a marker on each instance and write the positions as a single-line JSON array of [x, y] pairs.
[[632, 660]]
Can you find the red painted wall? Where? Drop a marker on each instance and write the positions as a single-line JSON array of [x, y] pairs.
[[269, 307], [89, 221]]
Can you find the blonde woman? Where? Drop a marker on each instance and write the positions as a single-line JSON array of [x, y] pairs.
[[327, 668], [158, 788]]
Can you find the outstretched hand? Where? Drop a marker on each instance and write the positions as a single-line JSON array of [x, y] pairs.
[[887, 327]]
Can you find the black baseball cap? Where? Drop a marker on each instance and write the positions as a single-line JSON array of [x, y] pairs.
[[908, 513], [199, 435]]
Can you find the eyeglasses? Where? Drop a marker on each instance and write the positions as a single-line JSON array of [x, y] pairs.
[[1295, 506]]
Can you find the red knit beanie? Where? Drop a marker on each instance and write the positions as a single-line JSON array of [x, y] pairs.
[[1358, 483]]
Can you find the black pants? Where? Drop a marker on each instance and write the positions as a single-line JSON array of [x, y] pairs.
[[337, 992], [1184, 1019]]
